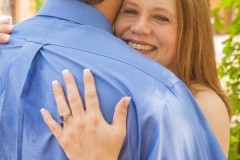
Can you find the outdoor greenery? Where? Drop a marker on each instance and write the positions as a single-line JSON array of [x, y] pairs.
[[229, 69], [39, 4]]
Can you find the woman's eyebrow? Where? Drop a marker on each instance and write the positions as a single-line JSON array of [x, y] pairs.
[[155, 9], [163, 9], [131, 3]]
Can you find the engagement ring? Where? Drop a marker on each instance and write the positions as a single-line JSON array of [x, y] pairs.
[[64, 117]]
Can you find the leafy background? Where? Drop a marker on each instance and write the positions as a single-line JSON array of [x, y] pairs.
[[229, 69], [39, 4]]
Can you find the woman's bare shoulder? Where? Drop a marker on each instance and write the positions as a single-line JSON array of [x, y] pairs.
[[209, 101], [215, 112]]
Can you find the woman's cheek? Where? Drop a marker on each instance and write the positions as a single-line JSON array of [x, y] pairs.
[[122, 26]]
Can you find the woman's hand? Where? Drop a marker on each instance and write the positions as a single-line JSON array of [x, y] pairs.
[[86, 135], [5, 29]]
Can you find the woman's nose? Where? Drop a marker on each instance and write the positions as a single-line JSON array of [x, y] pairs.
[[141, 27]]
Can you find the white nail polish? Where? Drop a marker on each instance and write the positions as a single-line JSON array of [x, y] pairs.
[[6, 37], [128, 98], [86, 72], [54, 82], [10, 27], [65, 71], [42, 110]]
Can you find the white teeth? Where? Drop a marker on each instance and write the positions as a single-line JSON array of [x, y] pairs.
[[134, 45], [140, 46]]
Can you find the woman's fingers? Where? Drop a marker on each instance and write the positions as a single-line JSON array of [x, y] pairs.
[[120, 115], [5, 29], [74, 97], [55, 128], [5, 21], [91, 98], [62, 105], [4, 38], [86, 131]]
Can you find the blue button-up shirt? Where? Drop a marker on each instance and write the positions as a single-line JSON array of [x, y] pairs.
[[164, 121]]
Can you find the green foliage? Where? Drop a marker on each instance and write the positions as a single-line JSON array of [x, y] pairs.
[[39, 4], [229, 69]]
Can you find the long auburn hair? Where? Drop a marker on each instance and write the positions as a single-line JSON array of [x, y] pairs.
[[196, 61]]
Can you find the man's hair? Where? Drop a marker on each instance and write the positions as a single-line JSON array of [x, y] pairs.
[[92, 2]]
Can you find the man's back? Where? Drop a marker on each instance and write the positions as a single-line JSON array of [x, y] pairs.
[[163, 119]]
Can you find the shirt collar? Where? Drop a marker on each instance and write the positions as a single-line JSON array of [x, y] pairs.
[[76, 11]]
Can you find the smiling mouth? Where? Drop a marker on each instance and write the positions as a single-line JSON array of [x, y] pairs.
[[141, 47]]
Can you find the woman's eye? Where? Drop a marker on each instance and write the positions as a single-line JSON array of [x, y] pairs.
[[130, 11], [161, 18]]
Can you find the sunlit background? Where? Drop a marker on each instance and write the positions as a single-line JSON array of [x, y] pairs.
[[18, 10]]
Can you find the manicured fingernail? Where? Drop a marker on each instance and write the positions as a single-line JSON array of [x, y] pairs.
[[9, 27], [6, 37], [127, 100], [66, 73], [55, 82], [42, 110], [86, 72]]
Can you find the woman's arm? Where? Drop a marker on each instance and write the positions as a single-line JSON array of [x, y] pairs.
[[86, 135], [5, 29]]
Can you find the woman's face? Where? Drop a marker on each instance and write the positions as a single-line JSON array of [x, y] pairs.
[[151, 27]]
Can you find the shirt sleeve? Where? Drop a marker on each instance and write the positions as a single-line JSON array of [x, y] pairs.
[[183, 132]]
